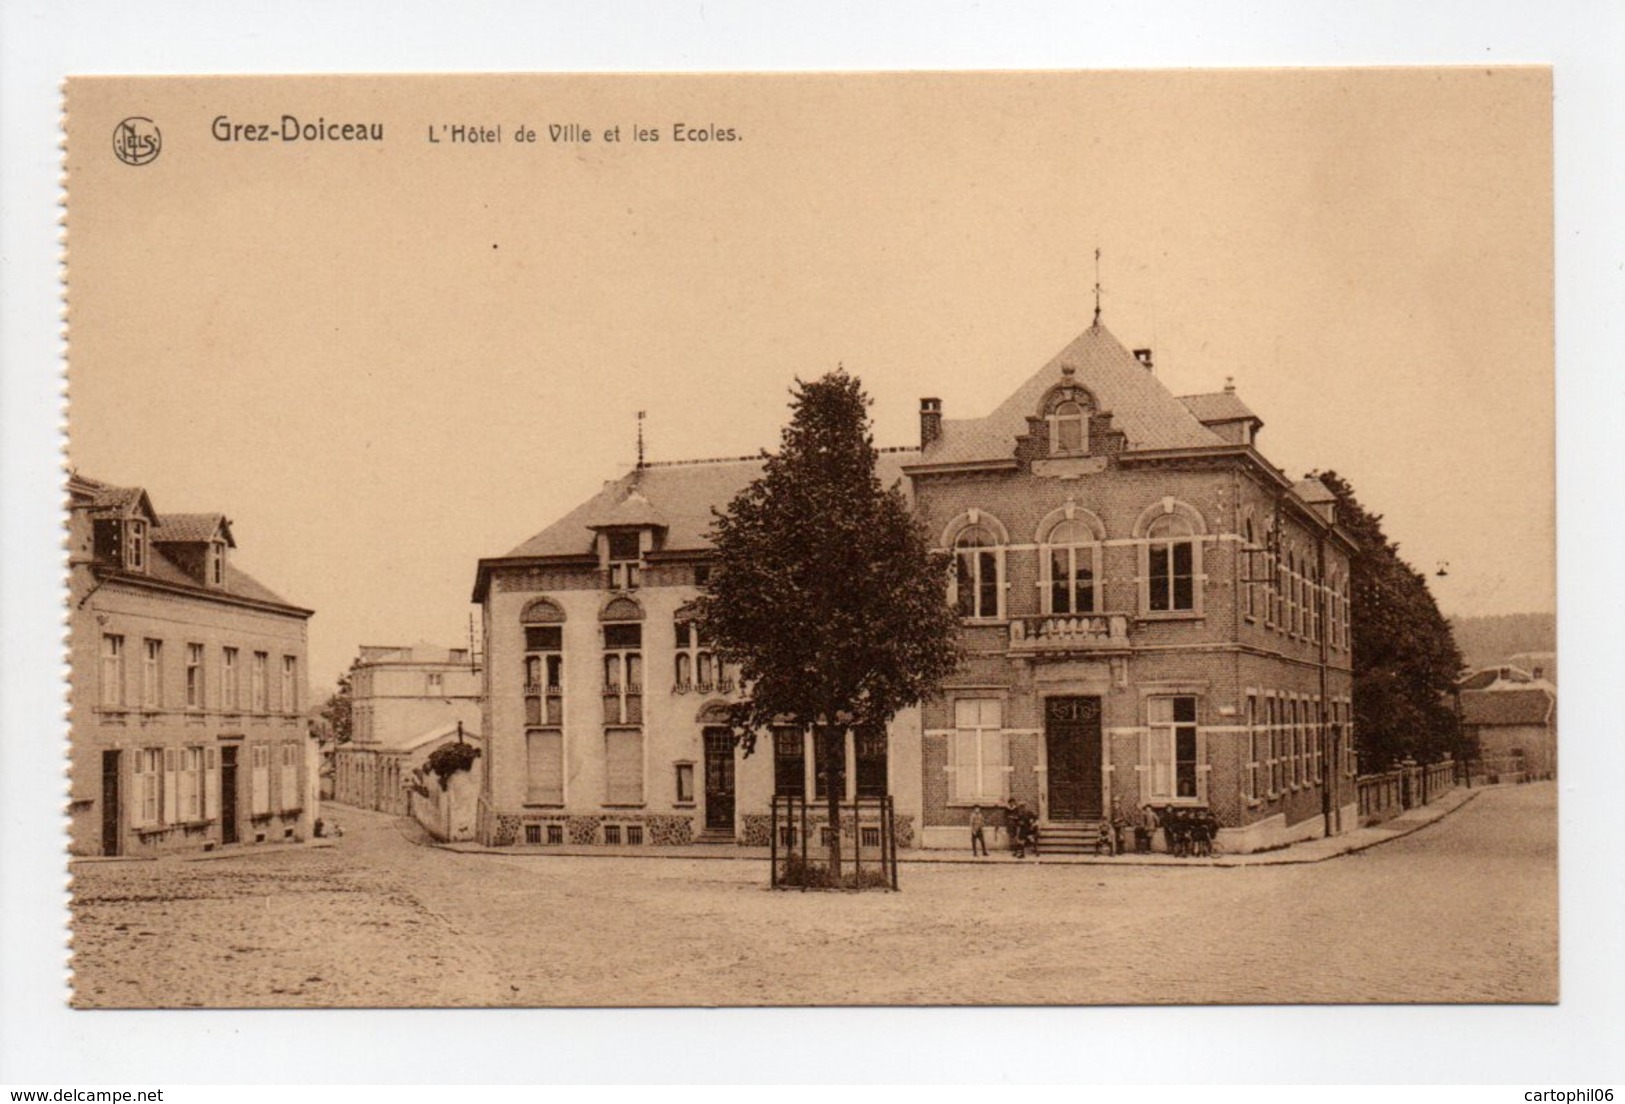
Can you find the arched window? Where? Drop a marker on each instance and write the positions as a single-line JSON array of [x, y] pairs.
[[1069, 568], [1069, 431], [1170, 558], [976, 572]]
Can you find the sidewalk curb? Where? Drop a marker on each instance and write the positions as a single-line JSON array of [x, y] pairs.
[[1349, 843]]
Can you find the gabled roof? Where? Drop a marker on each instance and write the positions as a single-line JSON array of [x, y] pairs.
[[1146, 412], [1525, 706], [192, 529], [683, 494], [634, 509], [1219, 406], [107, 500]]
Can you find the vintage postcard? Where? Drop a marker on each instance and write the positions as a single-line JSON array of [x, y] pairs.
[[1026, 538]]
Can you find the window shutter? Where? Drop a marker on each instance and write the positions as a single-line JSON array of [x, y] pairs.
[[137, 784], [994, 777], [172, 792], [545, 768], [211, 788], [623, 767]]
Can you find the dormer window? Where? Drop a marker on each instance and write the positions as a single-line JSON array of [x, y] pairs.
[[1068, 431], [217, 563], [135, 545], [624, 556]]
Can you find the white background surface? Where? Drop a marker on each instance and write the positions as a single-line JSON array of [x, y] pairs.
[[42, 1043]]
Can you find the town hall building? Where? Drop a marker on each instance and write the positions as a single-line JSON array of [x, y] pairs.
[[1152, 614]]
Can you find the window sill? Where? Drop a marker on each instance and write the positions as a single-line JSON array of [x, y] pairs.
[[1171, 615], [542, 805], [684, 805], [624, 805], [983, 622]]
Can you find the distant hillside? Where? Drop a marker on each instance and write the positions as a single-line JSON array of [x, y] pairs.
[[1488, 640]]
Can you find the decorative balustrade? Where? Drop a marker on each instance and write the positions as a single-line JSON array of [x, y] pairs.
[[1066, 632]]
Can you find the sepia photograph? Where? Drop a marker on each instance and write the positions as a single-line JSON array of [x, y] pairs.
[[1041, 538]]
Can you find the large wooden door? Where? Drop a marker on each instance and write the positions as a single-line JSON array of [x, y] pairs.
[[228, 795], [110, 802], [1072, 742], [719, 780]]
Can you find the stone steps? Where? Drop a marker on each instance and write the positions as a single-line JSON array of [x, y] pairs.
[[1069, 839]]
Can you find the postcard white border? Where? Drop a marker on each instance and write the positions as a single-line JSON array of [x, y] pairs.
[[41, 1042]]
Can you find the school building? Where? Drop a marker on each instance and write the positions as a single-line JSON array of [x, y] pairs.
[[1153, 614]]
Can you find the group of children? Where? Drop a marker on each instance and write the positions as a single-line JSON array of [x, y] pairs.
[[1020, 825]]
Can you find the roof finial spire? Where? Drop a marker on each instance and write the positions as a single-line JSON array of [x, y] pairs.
[[1097, 285], [640, 440]]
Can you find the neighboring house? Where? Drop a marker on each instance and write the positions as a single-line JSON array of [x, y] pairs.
[[1516, 728], [1542, 666], [189, 684], [450, 813], [397, 694], [1153, 614]]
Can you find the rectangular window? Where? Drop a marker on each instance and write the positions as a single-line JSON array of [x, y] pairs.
[[229, 685], [685, 783], [288, 776], [623, 766], [1296, 714], [290, 684], [624, 554], [634, 835], [1256, 782], [1172, 576], [789, 762], [871, 762], [147, 807], [259, 758], [1172, 752], [136, 547], [152, 674], [822, 742], [1277, 770], [977, 753], [544, 674], [261, 671], [192, 784], [544, 766], [194, 676], [977, 582], [112, 682], [533, 833], [217, 563], [623, 674], [612, 834]]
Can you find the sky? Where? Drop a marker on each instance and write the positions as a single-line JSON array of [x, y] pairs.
[[384, 362]]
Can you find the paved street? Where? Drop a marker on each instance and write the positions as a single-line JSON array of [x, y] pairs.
[[1463, 910]]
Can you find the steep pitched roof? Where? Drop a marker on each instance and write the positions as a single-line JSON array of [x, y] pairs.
[[1524, 706], [682, 494], [1219, 406], [1313, 491], [1147, 413], [192, 528]]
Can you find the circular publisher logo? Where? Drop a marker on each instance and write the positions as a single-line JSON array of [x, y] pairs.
[[136, 140]]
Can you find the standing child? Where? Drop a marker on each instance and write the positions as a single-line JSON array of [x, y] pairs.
[[977, 826]]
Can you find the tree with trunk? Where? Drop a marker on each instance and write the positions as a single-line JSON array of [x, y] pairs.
[[824, 591], [1406, 662]]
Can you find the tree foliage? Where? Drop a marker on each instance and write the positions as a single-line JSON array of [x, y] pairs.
[[337, 712], [1406, 662], [824, 591]]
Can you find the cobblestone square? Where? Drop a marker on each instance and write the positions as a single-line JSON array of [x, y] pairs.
[[1464, 910]]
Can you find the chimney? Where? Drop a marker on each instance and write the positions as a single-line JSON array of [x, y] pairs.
[[930, 421], [1144, 357]]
